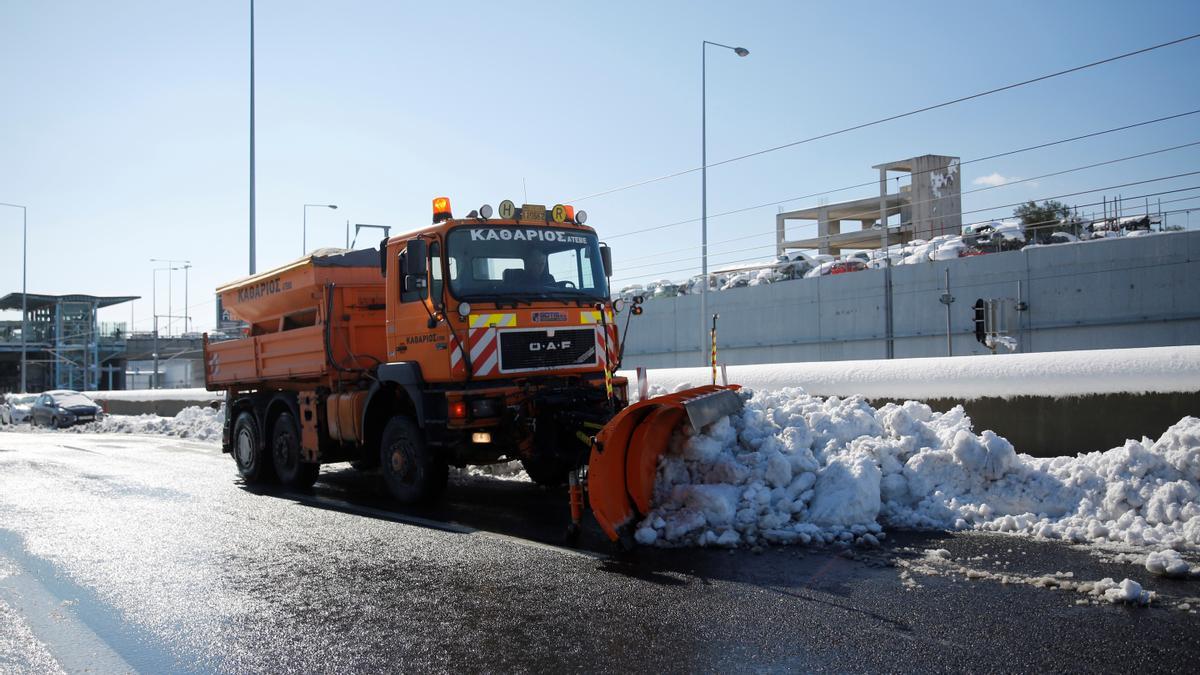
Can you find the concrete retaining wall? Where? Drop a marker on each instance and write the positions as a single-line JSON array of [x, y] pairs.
[[1127, 292], [1045, 426]]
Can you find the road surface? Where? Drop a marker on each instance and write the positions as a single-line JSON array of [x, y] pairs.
[[132, 553]]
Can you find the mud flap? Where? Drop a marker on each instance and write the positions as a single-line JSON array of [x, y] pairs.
[[624, 459]]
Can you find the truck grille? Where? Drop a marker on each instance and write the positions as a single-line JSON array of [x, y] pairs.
[[536, 349]]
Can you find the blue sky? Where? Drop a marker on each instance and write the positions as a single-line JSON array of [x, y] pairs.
[[123, 125]]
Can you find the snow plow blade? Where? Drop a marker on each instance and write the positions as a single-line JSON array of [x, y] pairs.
[[624, 458]]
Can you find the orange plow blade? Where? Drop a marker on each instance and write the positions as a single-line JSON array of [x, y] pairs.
[[624, 459]]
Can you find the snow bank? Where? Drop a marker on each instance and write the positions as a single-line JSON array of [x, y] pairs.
[[196, 422], [1074, 373], [798, 468]]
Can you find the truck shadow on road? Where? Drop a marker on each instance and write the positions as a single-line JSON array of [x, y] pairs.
[[524, 511]]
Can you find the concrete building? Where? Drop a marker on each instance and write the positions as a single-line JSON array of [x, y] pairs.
[[929, 206], [67, 347]]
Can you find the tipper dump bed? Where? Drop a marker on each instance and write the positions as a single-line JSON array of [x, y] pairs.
[[291, 336]]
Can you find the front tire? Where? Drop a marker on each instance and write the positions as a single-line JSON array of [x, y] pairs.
[[410, 471], [253, 461], [290, 467]]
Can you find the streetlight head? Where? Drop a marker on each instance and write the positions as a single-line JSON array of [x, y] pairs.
[[741, 51], [333, 206]]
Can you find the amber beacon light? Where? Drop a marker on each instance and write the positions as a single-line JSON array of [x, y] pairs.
[[441, 209]]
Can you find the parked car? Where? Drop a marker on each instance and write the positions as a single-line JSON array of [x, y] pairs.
[[5, 413], [837, 267], [16, 408], [64, 408]]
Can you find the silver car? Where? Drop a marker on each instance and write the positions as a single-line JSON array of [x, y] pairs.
[[15, 408]]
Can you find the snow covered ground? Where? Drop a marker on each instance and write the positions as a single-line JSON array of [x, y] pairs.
[[1070, 373], [194, 422], [799, 468]]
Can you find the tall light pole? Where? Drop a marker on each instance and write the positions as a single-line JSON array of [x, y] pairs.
[[24, 291], [170, 287], [740, 51], [154, 311], [186, 316], [304, 237], [251, 137]]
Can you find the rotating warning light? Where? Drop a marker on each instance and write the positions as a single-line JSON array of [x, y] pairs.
[[441, 209], [570, 212]]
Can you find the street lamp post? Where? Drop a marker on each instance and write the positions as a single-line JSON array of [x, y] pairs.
[[154, 311], [740, 51], [252, 251], [24, 291], [304, 237], [186, 316], [170, 293]]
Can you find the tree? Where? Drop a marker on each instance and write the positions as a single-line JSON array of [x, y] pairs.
[[1042, 221]]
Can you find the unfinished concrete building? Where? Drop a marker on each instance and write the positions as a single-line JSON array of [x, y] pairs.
[[930, 205]]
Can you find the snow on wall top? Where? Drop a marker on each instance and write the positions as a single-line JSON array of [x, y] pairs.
[[1073, 373], [157, 395]]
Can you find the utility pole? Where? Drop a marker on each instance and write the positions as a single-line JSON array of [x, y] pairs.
[[185, 297], [890, 348]]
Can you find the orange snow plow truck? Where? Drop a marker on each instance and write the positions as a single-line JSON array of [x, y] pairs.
[[471, 341]]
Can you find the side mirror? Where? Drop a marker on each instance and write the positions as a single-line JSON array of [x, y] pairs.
[[383, 257], [417, 257], [606, 258]]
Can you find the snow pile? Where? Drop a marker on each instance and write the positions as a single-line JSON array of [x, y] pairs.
[[797, 468], [1168, 564], [1128, 591], [195, 422]]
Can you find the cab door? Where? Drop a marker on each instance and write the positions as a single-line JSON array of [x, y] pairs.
[[411, 337]]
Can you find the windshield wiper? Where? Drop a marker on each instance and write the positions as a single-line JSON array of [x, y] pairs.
[[568, 294], [500, 300]]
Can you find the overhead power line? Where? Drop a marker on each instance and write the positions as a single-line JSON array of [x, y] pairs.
[[870, 183], [1009, 205], [897, 116], [750, 261]]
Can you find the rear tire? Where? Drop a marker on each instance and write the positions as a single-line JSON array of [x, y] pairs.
[[290, 467], [410, 471], [253, 461]]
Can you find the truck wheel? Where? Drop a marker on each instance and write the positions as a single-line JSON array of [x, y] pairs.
[[253, 462], [410, 470], [285, 454]]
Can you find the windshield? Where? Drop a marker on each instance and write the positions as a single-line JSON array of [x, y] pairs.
[[533, 262], [71, 399]]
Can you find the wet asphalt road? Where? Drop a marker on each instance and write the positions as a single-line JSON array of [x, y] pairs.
[[147, 554]]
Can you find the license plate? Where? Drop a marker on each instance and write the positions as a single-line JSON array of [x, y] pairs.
[[85, 418]]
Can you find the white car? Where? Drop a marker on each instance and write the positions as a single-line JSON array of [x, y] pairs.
[[15, 409]]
